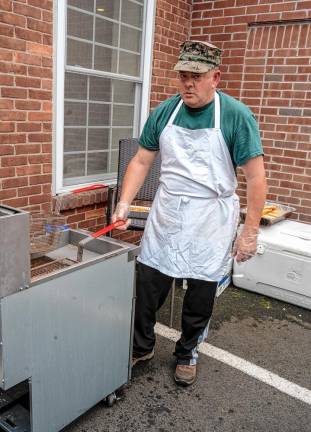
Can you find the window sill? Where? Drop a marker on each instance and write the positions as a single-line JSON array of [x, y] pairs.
[[70, 201]]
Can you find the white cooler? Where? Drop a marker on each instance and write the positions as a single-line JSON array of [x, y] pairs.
[[282, 266]]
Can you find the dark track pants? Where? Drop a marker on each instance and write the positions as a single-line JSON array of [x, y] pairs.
[[152, 288]]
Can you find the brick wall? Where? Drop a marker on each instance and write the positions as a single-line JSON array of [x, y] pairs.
[[266, 63], [172, 26], [26, 103]]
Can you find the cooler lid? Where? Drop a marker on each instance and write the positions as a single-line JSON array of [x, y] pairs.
[[287, 235]]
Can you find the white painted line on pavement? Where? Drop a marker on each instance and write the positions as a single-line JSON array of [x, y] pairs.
[[261, 374]]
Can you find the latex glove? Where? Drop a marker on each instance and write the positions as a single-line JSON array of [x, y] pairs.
[[245, 245], [121, 213]]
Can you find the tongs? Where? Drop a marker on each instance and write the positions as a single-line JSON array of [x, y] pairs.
[[82, 243]]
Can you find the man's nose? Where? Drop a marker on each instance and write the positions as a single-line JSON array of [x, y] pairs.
[[188, 83]]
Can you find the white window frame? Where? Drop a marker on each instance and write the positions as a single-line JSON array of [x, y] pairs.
[[60, 12]]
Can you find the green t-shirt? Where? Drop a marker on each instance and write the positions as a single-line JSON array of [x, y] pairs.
[[237, 123]]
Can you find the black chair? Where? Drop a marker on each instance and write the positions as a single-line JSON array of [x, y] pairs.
[[127, 149]]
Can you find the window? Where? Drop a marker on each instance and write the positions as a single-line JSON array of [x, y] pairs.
[[103, 75]]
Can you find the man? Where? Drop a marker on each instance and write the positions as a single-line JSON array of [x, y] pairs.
[[202, 135]]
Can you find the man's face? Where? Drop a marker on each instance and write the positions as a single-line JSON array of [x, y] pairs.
[[198, 89]]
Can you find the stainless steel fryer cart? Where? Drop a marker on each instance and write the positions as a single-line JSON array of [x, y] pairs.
[[66, 331]]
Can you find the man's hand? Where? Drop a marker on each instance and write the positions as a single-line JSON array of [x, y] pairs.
[[121, 213], [245, 245]]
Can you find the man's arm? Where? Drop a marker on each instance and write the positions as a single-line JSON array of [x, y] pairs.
[[246, 243], [134, 178]]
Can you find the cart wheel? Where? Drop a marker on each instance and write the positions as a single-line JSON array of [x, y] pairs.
[[111, 399]]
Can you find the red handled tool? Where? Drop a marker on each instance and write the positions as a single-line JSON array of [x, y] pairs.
[[82, 243], [88, 188]]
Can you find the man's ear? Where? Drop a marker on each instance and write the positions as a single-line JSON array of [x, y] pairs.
[[216, 77]]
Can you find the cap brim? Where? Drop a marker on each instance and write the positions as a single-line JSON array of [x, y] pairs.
[[193, 66]]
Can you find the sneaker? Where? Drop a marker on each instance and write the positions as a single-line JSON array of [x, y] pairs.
[[185, 374], [145, 357]]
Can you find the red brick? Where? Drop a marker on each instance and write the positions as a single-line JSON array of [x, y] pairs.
[[12, 138], [39, 49], [39, 72], [47, 39], [28, 59], [13, 68], [27, 149], [40, 94], [7, 172], [47, 169], [13, 160], [5, 55], [47, 61], [39, 137], [6, 150], [6, 30], [29, 127], [40, 159], [6, 80], [27, 82], [28, 35], [27, 105], [14, 182], [39, 26], [40, 116], [6, 194], [40, 179], [7, 127], [30, 190], [13, 92], [39, 199], [12, 115], [6, 5], [18, 202], [12, 43], [44, 4], [28, 170], [12, 19], [27, 11], [294, 15]]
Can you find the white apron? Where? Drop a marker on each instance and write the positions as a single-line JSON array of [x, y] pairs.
[[194, 216]]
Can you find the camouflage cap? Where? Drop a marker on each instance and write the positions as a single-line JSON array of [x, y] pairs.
[[198, 56]]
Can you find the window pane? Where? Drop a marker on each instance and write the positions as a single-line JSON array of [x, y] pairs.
[[129, 64], [105, 59], [99, 115], [98, 139], [75, 86], [130, 39], [82, 4], [124, 92], [100, 89], [108, 8], [75, 114], [106, 32], [79, 24], [123, 115], [132, 13], [97, 163], [74, 165], [74, 139], [118, 134], [79, 53], [114, 161]]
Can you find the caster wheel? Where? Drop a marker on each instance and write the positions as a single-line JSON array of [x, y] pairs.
[[110, 400]]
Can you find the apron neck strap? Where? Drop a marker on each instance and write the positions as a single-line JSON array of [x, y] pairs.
[[217, 111], [172, 118]]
